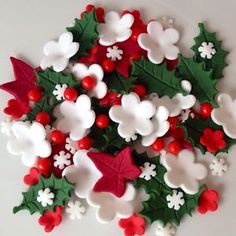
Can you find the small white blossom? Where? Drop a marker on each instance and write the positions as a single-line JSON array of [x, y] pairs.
[[59, 90], [218, 167], [114, 53], [71, 145], [62, 160], [175, 200], [75, 209], [207, 50], [45, 197], [148, 171]]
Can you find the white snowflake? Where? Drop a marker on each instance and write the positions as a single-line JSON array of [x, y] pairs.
[[75, 209], [207, 50], [114, 53], [218, 166], [184, 115], [148, 171], [175, 200], [167, 230], [59, 90], [5, 127], [62, 160], [71, 145], [45, 197]]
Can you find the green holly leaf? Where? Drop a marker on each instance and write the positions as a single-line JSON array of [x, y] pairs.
[[217, 62], [85, 32], [203, 86], [61, 188], [157, 78]]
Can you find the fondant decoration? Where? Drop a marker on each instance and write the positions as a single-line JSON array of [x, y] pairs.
[[33, 177], [159, 42], [166, 22], [165, 230], [207, 50], [140, 149], [184, 115], [45, 197], [49, 129], [6, 127], [59, 90], [57, 54], [175, 200], [29, 141], [61, 160], [183, 172], [218, 166], [71, 145], [115, 29], [114, 53], [148, 171], [75, 209]]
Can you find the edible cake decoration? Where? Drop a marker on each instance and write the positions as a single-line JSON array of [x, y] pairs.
[[115, 114]]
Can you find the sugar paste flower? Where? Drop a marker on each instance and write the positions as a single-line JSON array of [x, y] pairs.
[[114, 53], [183, 172], [133, 116], [77, 117], [83, 174], [75, 209], [29, 141], [80, 71], [175, 200], [148, 171], [166, 22], [45, 197], [207, 50], [159, 43], [225, 114], [218, 166], [57, 54], [61, 160], [6, 127], [167, 230], [115, 29], [59, 90]]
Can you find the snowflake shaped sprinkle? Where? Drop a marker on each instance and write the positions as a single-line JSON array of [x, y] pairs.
[[62, 160], [207, 50], [175, 200], [167, 230], [59, 91], [71, 145], [218, 166], [148, 171], [114, 53], [75, 209], [45, 197]]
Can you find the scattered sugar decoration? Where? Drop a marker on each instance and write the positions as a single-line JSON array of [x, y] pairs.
[[207, 50], [61, 160], [218, 166], [148, 171], [114, 53], [45, 197], [59, 91], [175, 200], [71, 145], [75, 209], [167, 230]]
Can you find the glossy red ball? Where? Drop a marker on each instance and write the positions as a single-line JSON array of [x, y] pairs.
[[85, 143], [158, 145], [44, 166], [70, 94], [102, 121], [57, 137], [35, 94], [43, 118], [140, 90], [205, 110], [88, 83], [174, 147], [108, 66]]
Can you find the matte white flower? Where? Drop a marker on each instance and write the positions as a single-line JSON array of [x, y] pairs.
[[160, 124], [57, 54], [6, 127], [184, 115], [133, 116], [166, 22], [77, 117], [71, 145], [45, 197], [159, 42], [29, 141], [218, 166], [59, 90], [75, 209], [83, 174], [225, 114], [148, 171], [176, 200], [115, 29], [80, 71], [207, 50], [61, 160], [167, 230], [114, 53], [183, 172]]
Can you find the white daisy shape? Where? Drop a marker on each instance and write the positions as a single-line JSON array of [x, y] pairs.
[[29, 141], [59, 90], [61, 160], [75, 209], [45, 197], [176, 200], [115, 29], [83, 174], [6, 127], [71, 145], [218, 166], [133, 116], [225, 114], [80, 71], [183, 172], [76, 117], [114, 53], [148, 171], [159, 42], [207, 50]]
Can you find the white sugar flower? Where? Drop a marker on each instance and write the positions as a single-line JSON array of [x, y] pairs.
[[71, 145], [183, 172], [45, 197], [218, 166], [6, 127], [207, 50], [29, 141], [166, 22], [167, 230], [80, 71], [77, 117], [115, 29], [61, 160], [159, 43], [114, 53], [148, 171], [175, 200], [133, 116], [59, 90], [75, 209]]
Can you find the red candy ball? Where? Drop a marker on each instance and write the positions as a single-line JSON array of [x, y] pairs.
[[85, 143], [57, 137], [173, 121], [88, 82], [205, 110], [174, 147], [140, 90], [102, 121], [43, 118], [35, 94], [70, 94], [44, 166], [108, 66], [158, 145]]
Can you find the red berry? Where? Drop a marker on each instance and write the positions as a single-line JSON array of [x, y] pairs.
[[57, 137], [140, 90], [88, 82], [35, 94], [135, 33], [70, 94], [205, 110], [173, 121], [158, 145], [102, 121], [108, 66], [85, 143], [44, 166], [43, 118], [174, 147], [178, 133]]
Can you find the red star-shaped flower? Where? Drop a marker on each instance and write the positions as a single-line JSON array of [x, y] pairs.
[[116, 170]]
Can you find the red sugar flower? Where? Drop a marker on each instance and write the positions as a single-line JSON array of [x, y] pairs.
[[213, 140], [33, 177], [99, 12]]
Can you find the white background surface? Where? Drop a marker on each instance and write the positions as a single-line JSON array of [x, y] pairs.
[[25, 25]]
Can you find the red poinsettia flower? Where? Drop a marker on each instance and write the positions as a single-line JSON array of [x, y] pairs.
[[134, 225], [208, 201], [50, 219], [213, 140], [33, 177]]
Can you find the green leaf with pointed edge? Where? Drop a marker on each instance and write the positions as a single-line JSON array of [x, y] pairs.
[[85, 32], [61, 188], [217, 62], [203, 86], [157, 78]]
